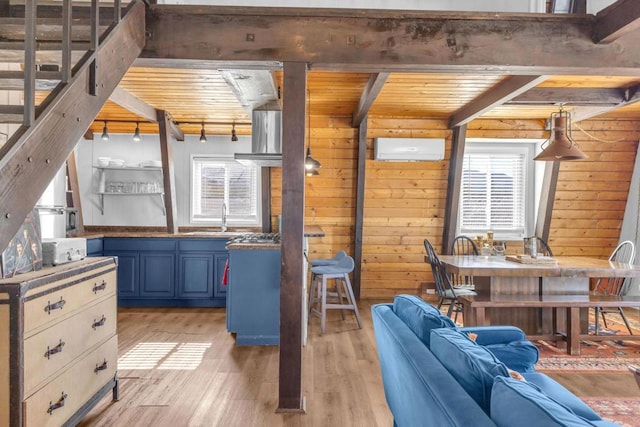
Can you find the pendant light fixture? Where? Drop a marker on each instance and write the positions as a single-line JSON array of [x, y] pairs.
[[311, 165], [105, 132], [560, 146], [234, 137], [136, 133], [203, 137]]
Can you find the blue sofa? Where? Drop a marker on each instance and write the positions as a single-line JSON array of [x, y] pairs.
[[434, 374]]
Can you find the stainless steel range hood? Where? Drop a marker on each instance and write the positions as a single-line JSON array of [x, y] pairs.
[[266, 139]]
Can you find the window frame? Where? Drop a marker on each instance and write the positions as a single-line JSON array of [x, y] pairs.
[[532, 173], [231, 222]]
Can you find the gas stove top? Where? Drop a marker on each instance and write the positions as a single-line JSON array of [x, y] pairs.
[[257, 238]]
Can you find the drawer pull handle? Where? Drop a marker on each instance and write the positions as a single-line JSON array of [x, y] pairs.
[[101, 367], [54, 350], [55, 305], [101, 287], [58, 404], [98, 323]]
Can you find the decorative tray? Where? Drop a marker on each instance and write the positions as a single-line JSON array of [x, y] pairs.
[[527, 259]]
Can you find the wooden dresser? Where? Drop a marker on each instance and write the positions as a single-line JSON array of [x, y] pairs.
[[58, 342]]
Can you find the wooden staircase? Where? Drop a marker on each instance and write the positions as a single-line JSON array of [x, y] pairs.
[[72, 56]]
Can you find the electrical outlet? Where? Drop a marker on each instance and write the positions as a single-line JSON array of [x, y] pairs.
[[431, 291]]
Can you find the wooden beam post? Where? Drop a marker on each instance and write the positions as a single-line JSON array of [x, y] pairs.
[[499, 94], [359, 220], [292, 235], [369, 95], [72, 177], [454, 182], [547, 197], [616, 20], [168, 175]]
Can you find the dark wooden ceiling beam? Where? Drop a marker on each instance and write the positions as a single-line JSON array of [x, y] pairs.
[[132, 103], [569, 96], [168, 171], [504, 91], [369, 95], [617, 20], [454, 184], [386, 41], [34, 155], [630, 96]]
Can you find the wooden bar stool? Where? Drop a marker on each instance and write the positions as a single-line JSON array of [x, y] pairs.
[[319, 295]]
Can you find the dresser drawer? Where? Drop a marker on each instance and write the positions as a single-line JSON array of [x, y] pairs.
[[77, 384], [46, 306], [52, 349]]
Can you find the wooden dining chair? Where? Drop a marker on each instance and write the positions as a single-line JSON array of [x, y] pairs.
[[463, 245], [445, 290], [624, 253]]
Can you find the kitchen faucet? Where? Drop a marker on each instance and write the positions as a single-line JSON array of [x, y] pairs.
[[223, 227]]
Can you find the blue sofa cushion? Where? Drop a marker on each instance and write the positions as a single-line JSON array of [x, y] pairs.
[[472, 365], [520, 403], [520, 356], [419, 316], [557, 392]]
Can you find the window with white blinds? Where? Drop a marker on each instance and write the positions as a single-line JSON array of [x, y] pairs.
[[497, 191], [217, 181]]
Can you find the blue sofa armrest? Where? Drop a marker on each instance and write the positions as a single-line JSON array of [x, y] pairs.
[[509, 344], [488, 335]]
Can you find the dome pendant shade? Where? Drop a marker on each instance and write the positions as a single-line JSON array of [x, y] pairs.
[[560, 146], [310, 163]]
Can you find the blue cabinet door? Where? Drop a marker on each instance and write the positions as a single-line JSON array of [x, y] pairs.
[[157, 275], [195, 276], [221, 262], [128, 273]]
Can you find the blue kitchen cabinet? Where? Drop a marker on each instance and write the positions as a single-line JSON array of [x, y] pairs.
[[196, 275], [253, 297], [169, 272], [157, 275], [128, 281], [94, 247]]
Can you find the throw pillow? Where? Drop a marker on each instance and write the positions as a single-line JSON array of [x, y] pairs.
[[472, 365], [419, 316], [515, 403]]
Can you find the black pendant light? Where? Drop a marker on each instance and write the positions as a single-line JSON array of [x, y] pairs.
[[203, 137], [311, 165], [105, 132], [560, 146], [136, 133], [234, 137]]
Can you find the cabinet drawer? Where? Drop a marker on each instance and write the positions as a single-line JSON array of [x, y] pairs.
[[78, 383], [52, 349], [44, 307]]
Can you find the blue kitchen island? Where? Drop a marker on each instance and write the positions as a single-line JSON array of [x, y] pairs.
[[253, 292]]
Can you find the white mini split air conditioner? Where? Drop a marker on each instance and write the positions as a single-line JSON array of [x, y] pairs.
[[408, 149]]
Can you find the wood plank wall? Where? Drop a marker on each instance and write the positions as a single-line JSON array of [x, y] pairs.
[[404, 202]]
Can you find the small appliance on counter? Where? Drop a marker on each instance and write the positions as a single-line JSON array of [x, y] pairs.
[[61, 250]]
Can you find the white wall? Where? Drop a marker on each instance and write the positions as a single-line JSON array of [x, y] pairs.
[[142, 210], [630, 225]]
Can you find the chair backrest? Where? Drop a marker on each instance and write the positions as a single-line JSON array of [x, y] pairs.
[[439, 274], [346, 263], [463, 245], [543, 247], [625, 253]]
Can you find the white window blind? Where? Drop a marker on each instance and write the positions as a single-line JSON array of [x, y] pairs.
[[494, 193], [216, 181]]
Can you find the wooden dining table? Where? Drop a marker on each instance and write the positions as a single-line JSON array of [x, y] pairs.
[[498, 276]]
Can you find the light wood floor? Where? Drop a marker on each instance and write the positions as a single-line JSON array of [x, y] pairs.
[[179, 367]]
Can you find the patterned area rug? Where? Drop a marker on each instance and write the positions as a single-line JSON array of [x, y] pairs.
[[610, 355], [624, 411]]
